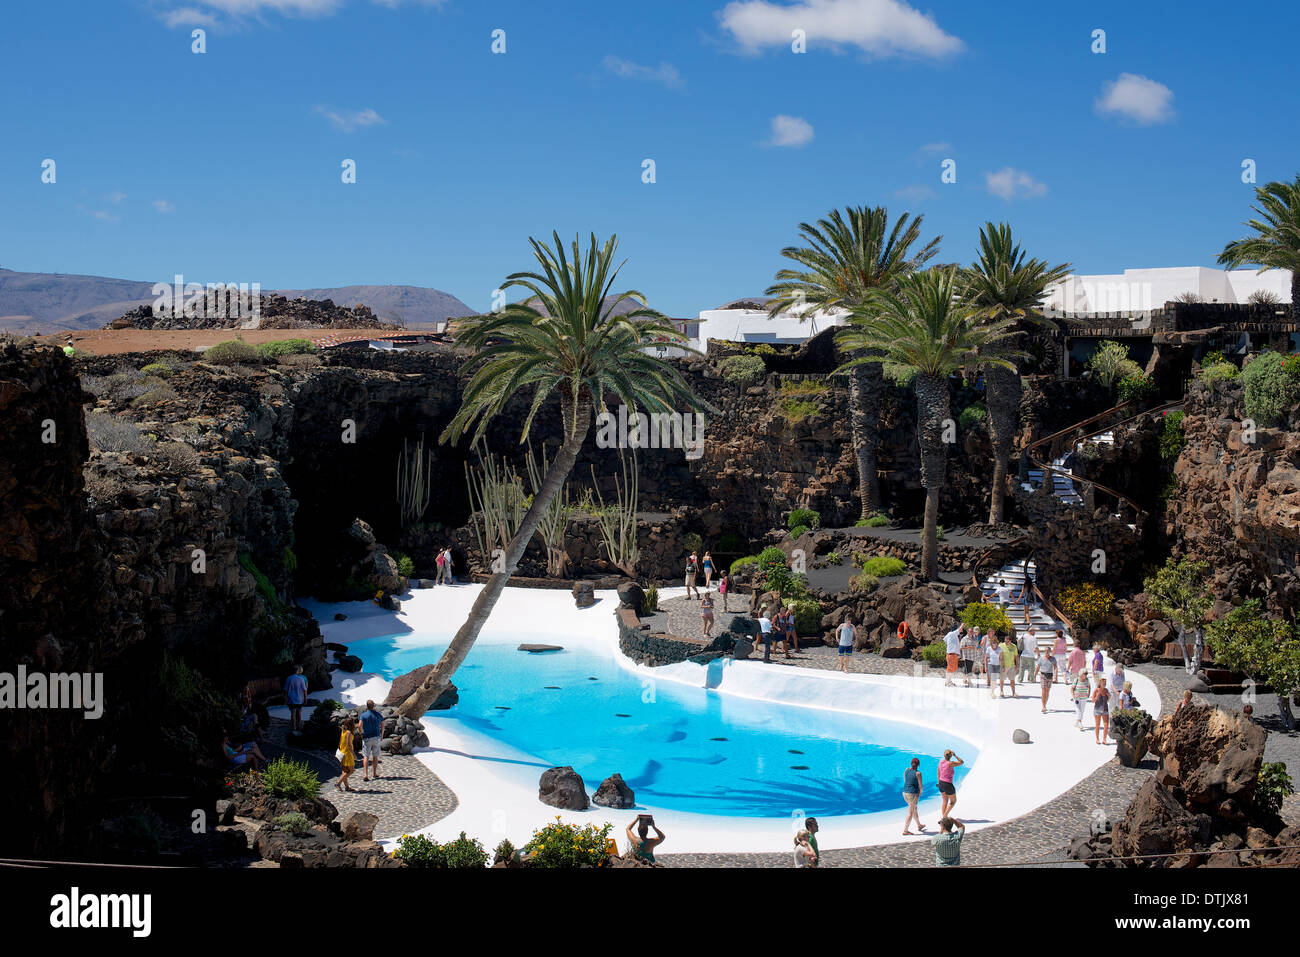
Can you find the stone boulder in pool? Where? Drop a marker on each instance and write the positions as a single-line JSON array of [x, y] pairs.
[[614, 792], [563, 788], [403, 685]]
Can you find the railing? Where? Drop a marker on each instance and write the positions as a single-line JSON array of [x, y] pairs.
[[1077, 437]]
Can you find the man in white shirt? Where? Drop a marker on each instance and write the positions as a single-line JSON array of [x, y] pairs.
[[1003, 592], [765, 626], [952, 650]]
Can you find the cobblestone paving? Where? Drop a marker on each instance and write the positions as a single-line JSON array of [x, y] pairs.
[[407, 796]]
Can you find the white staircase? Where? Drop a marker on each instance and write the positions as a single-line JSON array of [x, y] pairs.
[[1063, 484], [1044, 624]]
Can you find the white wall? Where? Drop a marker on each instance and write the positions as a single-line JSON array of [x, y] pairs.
[[753, 325], [1139, 290]]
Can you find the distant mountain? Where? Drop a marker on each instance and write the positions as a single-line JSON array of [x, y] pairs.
[[33, 302]]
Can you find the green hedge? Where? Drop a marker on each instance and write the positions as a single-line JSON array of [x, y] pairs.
[[1272, 387], [742, 369], [271, 351], [804, 516]]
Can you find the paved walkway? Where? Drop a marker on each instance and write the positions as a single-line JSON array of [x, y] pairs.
[[407, 796]]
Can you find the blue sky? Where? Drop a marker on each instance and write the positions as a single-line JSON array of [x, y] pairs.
[[226, 165]]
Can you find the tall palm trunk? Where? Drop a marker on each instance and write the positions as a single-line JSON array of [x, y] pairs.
[[436, 682], [1003, 397], [932, 411], [865, 382]]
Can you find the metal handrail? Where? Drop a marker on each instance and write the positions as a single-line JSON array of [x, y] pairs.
[[1029, 451]]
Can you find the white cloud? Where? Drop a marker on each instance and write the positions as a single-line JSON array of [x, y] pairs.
[[877, 27], [211, 13], [665, 74], [163, 206], [790, 131], [350, 122], [188, 17], [116, 197], [1143, 100], [1011, 183], [937, 148]]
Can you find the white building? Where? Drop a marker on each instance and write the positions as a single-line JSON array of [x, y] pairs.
[[1141, 290], [746, 320]]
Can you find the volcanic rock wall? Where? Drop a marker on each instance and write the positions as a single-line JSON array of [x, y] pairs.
[[1237, 506]]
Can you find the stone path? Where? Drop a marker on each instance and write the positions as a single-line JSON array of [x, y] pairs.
[[407, 796]]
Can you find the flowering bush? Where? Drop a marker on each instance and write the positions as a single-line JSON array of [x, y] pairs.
[[416, 850], [567, 845], [985, 616], [1086, 603]]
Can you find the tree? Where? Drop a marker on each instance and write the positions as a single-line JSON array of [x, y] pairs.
[[1178, 592], [1265, 649], [1276, 243], [1110, 363], [927, 327], [577, 349], [1005, 285], [848, 255]]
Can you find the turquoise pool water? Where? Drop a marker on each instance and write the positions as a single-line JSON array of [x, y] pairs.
[[678, 747]]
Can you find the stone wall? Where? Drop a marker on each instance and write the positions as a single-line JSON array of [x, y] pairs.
[[1237, 506], [645, 648]]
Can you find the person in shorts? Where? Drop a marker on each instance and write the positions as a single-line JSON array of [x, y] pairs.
[[947, 788], [977, 660], [372, 727], [952, 652], [992, 656], [1047, 668], [1028, 655], [848, 635], [765, 629], [970, 649], [1008, 657], [295, 696], [912, 795]]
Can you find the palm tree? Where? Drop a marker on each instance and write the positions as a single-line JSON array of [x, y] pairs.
[[1276, 244], [1004, 285], [848, 255], [927, 327], [574, 347]]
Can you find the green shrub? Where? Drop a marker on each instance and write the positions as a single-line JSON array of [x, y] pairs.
[[160, 369], [231, 352], [742, 370], [872, 521], [804, 516], [832, 558], [985, 616], [504, 853], [1213, 357], [1272, 786], [938, 533], [693, 542], [1271, 388], [799, 530], [321, 713], [405, 566], [1220, 372], [295, 823], [1136, 388], [1110, 363], [863, 582], [270, 351], [972, 415], [416, 850], [740, 563], [264, 587], [561, 845], [900, 375], [764, 349], [807, 615], [776, 576], [1172, 438], [290, 559], [286, 778], [884, 566], [650, 603], [464, 852], [934, 653]]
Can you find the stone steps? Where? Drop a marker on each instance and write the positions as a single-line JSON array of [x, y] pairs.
[[1013, 573]]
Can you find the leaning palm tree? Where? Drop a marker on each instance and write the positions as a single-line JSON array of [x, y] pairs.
[[1003, 284], [576, 348], [927, 327], [1276, 243], [848, 255]]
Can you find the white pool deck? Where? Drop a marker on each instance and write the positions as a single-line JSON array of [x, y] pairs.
[[497, 790]]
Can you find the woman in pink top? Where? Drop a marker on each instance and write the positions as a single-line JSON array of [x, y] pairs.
[[1058, 652], [1076, 661], [947, 791]]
